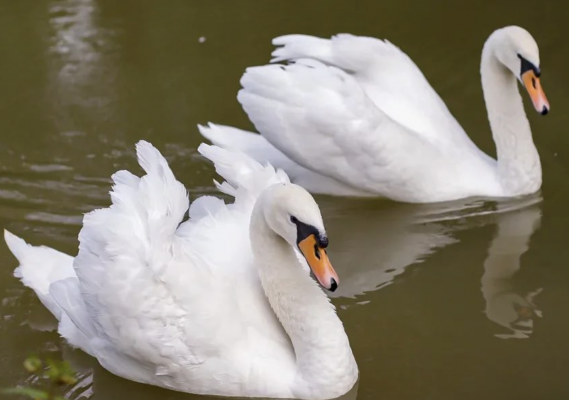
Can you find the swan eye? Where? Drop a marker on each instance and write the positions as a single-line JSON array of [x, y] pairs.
[[316, 251], [293, 219], [528, 66]]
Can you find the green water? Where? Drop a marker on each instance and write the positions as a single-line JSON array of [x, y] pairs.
[[429, 294]]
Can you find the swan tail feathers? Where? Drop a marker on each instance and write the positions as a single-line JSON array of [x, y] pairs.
[[253, 145], [231, 138], [39, 268], [50, 274]]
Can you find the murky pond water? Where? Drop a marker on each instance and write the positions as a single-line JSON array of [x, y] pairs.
[[459, 300]]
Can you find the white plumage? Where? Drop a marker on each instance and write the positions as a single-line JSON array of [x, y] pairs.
[[355, 116], [181, 304]]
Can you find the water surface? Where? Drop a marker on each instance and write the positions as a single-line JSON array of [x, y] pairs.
[[463, 300]]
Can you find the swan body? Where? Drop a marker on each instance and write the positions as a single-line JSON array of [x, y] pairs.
[[354, 116], [219, 304]]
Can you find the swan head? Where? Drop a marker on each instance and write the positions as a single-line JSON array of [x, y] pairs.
[[518, 51], [292, 213]]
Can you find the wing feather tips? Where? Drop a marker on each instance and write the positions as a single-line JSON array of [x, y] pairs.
[[230, 165], [159, 185], [145, 211], [151, 160], [296, 83], [299, 46], [244, 177]]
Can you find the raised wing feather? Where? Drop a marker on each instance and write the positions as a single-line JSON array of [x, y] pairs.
[[177, 303], [321, 118], [125, 253], [387, 75]]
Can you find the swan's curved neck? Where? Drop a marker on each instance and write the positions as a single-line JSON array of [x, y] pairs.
[[519, 166], [326, 367]]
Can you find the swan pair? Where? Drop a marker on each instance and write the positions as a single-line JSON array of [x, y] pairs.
[[223, 303], [354, 116]]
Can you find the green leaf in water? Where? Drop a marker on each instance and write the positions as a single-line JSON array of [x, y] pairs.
[[66, 374], [33, 393], [66, 379], [32, 364], [52, 370], [60, 372]]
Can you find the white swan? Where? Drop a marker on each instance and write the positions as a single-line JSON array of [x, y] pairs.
[[220, 304], [355, 116]]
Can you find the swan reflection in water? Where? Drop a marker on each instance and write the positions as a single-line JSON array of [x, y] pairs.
[[504, 305], [374, 245], [372, 242]]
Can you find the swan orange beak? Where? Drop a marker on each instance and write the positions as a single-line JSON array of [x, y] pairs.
[[319, 263], [535, 91]]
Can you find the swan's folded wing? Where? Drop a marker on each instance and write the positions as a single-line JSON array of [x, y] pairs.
[[320, 117], [389, 77], [125, 254], [170, 298]]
